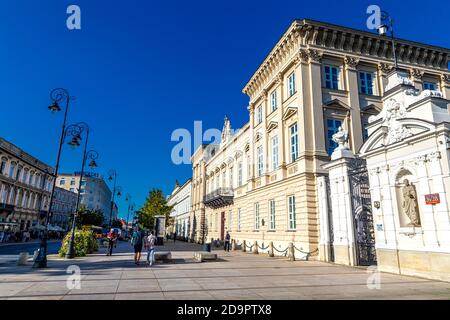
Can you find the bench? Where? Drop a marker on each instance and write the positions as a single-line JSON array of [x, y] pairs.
[[201, 256], [163, 256]]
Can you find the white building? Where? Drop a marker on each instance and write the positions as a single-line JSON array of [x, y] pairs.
[[180, 199]]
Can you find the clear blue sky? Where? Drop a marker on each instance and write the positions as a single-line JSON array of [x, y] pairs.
[[142, 68]]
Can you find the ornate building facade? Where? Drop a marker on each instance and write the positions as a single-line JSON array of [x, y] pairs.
[[25, 186], [260, 184]]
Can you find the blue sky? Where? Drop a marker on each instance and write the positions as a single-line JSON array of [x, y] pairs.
[[141, 69]]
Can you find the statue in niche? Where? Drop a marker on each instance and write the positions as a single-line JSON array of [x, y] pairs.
[[410, 204]]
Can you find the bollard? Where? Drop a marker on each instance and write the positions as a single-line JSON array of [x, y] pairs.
[[255, 247], [233, 245], [271, 254], [23, 259], [244, 246], [291, 252]]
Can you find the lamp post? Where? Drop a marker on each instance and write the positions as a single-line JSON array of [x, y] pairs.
[[113, 177], [56, 95], [386, 25], [130, 206], [91, 155]]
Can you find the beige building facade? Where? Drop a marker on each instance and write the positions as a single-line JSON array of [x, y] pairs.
[[260, 184]]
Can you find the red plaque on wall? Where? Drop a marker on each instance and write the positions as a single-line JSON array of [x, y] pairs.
[[432, 198]]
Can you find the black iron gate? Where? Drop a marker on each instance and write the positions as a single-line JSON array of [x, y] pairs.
[[362, 213]]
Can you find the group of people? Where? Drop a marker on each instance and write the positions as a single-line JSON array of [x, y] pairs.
[[139, 240], [25, 236]]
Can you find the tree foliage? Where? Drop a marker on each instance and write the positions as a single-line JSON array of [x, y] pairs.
[[87, 216], [155, 205], [117, 223]]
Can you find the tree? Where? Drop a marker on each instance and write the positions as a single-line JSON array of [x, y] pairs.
[[155, 205], [87, 216]]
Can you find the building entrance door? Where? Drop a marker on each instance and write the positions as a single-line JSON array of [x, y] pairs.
[[222, 226]]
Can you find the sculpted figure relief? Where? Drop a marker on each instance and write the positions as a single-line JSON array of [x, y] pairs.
[[410, 204]]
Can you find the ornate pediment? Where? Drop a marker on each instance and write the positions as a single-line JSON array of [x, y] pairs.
[[272, 125], [371, 109], [289, 112], [336, 104]]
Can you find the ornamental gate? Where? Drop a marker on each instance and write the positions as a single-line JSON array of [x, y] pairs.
[[362, 212]]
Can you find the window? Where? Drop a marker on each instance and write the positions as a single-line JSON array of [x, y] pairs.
[[260, 158], [272, 214], [273, 100], [3, 166], [224, 180], [429, 86], [12, 168], [291, 84], [72, 182], [19, 172], [239, 220], [240, 173], [72, 189], [259, 115], [365, 124], [25, 176], [294, 142], [256, 216], [62, 182], [331, 77], [366, 83], [274, 152], [30, 180], [332, 127], [291, 213]]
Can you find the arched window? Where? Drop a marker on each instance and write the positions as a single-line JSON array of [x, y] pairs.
[[3, 164], [12, 169]]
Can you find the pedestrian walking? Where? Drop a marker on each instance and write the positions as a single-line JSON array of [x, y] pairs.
[[137, 242], [150, 246], [226, 247], [111, 238], [174, 236]]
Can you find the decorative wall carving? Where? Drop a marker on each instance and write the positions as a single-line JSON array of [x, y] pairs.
[[416, 74], [351, 62], [394, 111]]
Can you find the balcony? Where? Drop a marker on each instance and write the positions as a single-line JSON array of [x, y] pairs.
[[220, 197]]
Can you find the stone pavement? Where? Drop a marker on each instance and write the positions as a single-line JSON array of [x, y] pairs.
[[236, 275]]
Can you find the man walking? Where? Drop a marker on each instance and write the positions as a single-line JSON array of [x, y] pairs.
[[137, 241], [150, 245], [226, 247]]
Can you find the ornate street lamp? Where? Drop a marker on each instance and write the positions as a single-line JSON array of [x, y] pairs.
[[116, 191], [56, 95], [130, 207], [386, 25], [91, 155]]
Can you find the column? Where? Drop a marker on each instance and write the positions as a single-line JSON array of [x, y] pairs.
[[445, 85], [351, 75]]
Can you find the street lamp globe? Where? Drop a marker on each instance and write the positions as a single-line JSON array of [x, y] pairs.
[[93, 164], [54, 107], [382, 29], [74, 142]]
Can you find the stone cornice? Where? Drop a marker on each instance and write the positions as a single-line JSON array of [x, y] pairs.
[[308, 34]]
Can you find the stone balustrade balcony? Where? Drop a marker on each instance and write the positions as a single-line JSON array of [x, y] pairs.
[[220, 197]]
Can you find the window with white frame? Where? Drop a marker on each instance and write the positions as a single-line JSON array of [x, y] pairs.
[[291, 84], [259, 115], [274, 152], [429, 86], [12, 168], [257, 216], [331, 77], [19, 172], [294, 142], [332, 127], [272, 214], [260, 158], [366, 82], [224, 183], [240, 173], [231, 177], [239, 219], [292, 223], [273, 100]]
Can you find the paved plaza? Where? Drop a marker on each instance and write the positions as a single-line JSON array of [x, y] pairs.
[[236, 275]]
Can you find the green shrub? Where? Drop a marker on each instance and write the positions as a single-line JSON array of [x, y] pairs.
[[85, 243]]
